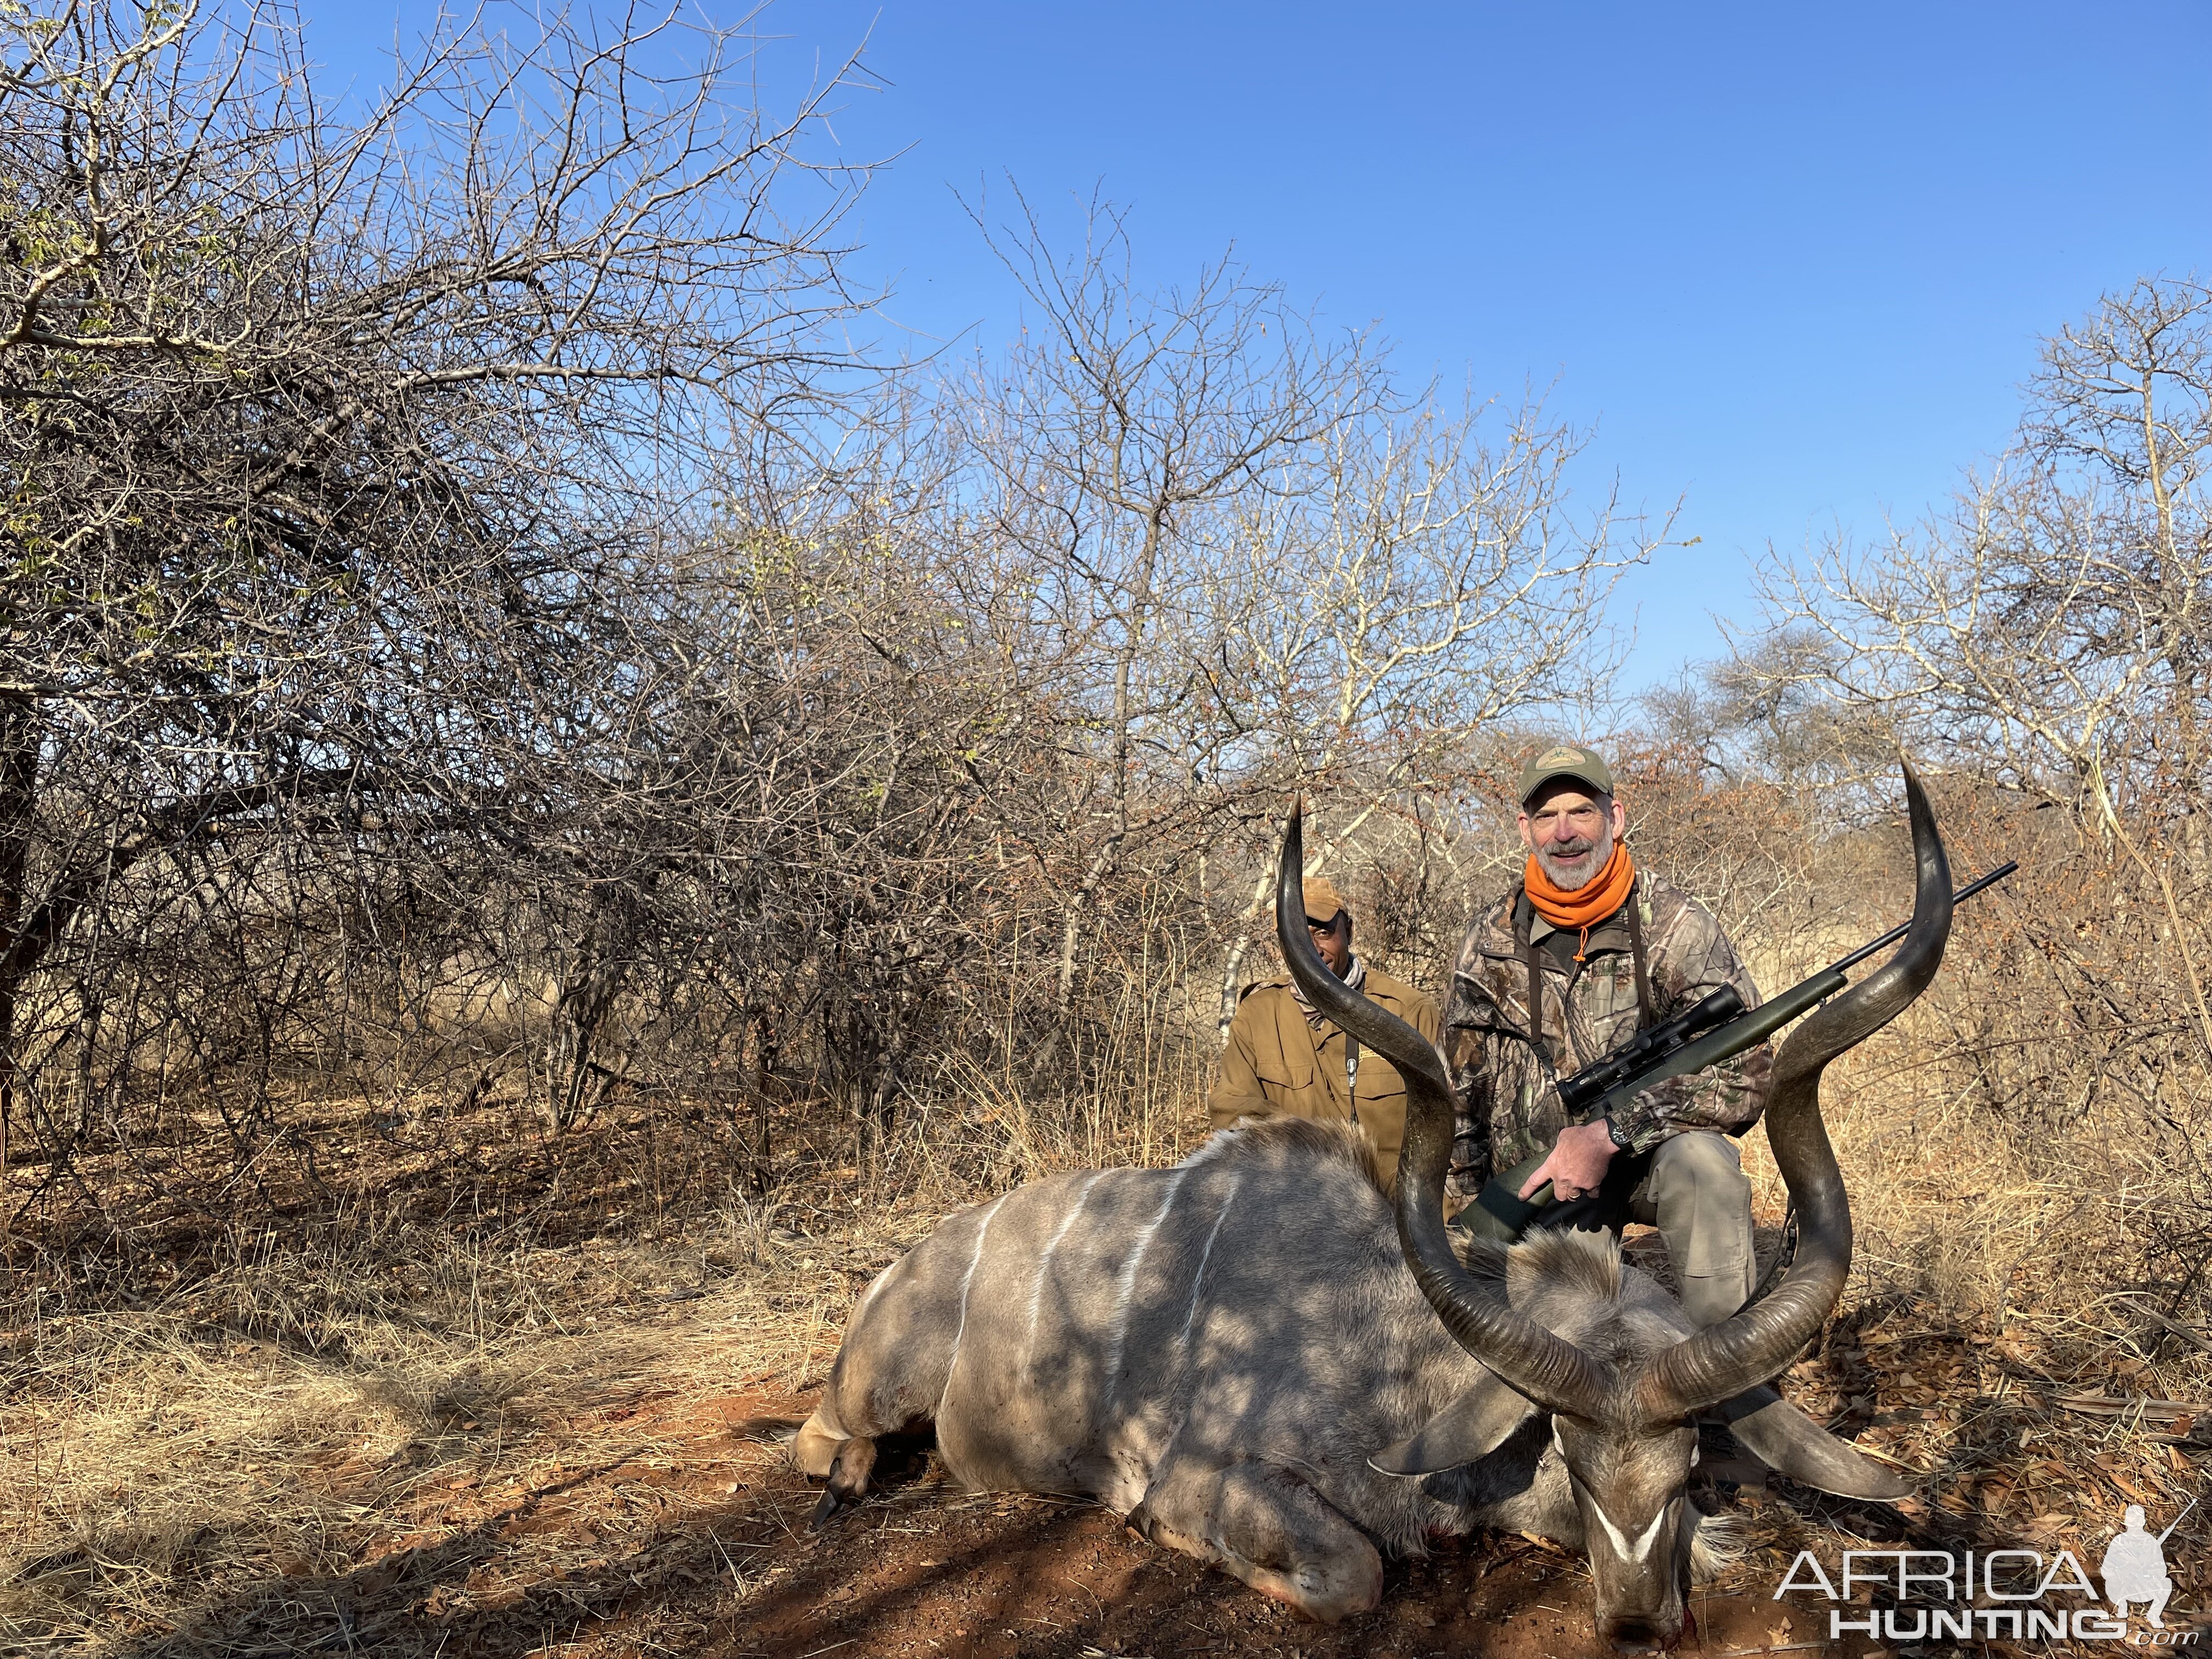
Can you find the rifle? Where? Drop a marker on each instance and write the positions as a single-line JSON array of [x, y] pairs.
[[2178, 1520], [1709, 1031]]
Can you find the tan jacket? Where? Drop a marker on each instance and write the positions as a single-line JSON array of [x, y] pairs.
[[1277, 1065], [1509, 1106]]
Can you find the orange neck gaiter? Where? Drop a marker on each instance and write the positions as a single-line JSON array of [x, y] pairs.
[[1588, 905]]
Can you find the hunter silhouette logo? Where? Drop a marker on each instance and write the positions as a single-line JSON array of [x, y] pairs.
[[2135, 1566], [1564, 757]]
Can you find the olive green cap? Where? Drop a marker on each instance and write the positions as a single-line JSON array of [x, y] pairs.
[[1565, 760]]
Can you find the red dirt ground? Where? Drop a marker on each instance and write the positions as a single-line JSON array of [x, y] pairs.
[[923, 1568], [691, 1538], [683, 1530]]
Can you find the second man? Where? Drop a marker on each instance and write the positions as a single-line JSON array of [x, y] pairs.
[[1285, 1059]]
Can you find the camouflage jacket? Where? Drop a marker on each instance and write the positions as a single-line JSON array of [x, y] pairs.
[[1509, 1110]]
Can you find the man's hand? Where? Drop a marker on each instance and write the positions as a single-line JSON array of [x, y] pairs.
[[1577, 1163]]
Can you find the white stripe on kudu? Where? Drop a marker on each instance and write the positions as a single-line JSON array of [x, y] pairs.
[[1044, 1262], [1642, 1547], [1126, 1287], [880, 1280], [1198, 1279], [982, 1233]]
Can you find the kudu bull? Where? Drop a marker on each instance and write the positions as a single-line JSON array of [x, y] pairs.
[[1234, 1353]]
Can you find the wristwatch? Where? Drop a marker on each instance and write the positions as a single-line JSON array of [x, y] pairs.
[[1613, 1132]]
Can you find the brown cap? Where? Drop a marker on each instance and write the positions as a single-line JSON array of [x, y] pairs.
[[1322, 900], [1565, 760]]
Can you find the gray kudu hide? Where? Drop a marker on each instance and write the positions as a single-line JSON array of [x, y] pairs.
[[1260, 1364]]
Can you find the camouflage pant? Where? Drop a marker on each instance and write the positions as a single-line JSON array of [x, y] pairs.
[[1691, 1187]]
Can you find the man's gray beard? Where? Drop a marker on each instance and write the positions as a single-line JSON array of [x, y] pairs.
[[1575, 885]]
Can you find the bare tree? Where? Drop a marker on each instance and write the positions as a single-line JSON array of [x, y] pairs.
[[2046, 639], [464, 627], [1250, 560], [1418, 581], [331, 442], [2054, 627], [1108, 454], [2056, 619]]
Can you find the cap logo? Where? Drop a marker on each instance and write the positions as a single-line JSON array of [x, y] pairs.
[[1563, 758]]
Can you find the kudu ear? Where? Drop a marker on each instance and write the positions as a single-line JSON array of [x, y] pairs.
[[1790, 1442], [1471, 1426]]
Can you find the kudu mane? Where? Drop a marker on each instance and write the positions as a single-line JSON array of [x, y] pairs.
[[1326, 1141]]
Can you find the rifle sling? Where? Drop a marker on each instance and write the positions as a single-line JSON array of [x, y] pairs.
[[1524, 911], [1645, 1018]]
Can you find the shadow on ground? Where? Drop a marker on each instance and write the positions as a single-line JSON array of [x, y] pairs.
[[716, 1559]]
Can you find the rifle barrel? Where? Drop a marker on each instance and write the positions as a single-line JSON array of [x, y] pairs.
[[2178, 1520], [1733, 1037], [1746, 1030], [1902, 927]]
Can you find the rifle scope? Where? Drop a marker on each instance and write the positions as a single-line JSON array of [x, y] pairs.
[[1587, 1087]]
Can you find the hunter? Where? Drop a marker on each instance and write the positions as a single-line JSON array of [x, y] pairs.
[[1284, 1060], [1602, 950]]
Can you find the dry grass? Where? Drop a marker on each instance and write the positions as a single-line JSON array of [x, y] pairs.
[[1994, 1304], [404, 1406], [309, 1413], [384, 1422], [211, 1423]]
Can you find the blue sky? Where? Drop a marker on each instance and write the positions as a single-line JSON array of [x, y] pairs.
[[1792, 261]]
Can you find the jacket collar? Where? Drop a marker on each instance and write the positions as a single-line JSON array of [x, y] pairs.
[[1497, 940], [1354, 979], [1370, 981], [1610, 934]]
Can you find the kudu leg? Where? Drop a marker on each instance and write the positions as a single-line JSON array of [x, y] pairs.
[[814, 1448], [848, 1478], [1262, 1523]]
